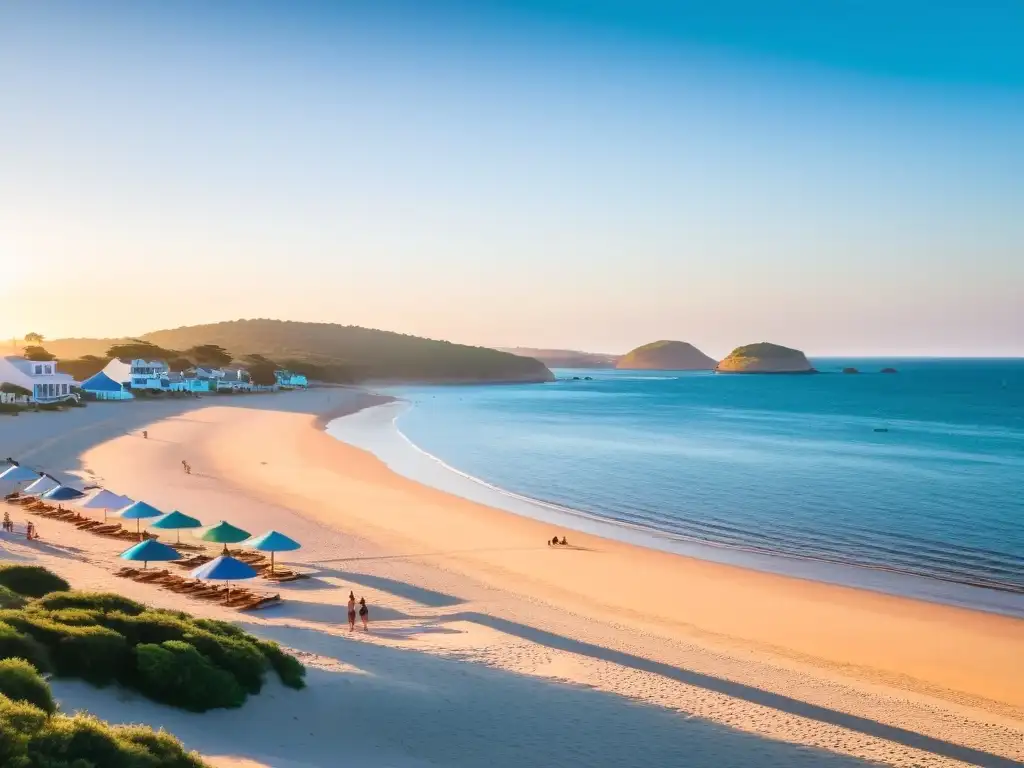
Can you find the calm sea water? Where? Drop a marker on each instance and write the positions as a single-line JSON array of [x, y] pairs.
[[790, 466]]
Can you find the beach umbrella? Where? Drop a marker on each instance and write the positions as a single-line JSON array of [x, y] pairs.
[[224, 568], [140, 510], [224, 533], [42, 485], [63, 493], [17, 475], [272, 542], [175, 521], [150, 551], [106, 500]]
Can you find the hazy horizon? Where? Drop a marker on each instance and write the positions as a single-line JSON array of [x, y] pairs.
[[541, 174]]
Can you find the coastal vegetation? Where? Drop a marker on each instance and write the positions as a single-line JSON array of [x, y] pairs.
[[666, 356], [765, 358], [324, 352], [168, 656]]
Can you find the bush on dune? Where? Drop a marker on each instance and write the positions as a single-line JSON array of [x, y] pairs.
[[10, 598], [169, 656], [176, 673], [104, 602], [31, 739], [31, 580], [20, 681], [18, 645]]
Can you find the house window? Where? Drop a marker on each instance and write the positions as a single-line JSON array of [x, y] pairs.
[[37, 370]]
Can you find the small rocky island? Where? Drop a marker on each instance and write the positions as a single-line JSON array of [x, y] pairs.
[[666, 356], [765, 358], [889, 370], [850, 370]]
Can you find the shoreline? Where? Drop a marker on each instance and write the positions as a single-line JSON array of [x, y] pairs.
[[472, 614], [368, 433]]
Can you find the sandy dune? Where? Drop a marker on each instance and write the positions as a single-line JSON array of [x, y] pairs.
[[487, 647]]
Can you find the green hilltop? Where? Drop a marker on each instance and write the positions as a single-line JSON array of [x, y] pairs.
[[335, 353]]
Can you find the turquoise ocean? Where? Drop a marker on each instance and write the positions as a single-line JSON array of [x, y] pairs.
[[911, 483]]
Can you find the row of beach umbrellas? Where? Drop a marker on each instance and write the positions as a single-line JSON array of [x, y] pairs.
[[224, 567]]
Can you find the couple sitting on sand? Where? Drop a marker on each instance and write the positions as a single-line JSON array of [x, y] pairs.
[[364, 612], [556, 543]]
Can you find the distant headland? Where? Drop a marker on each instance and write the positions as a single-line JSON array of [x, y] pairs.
[[765, 358], [666, 356]]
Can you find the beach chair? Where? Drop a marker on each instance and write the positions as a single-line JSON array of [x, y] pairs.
[[259, 602], [127, 572], [105, 530], [88, 525], [147, 577], [281, 574]]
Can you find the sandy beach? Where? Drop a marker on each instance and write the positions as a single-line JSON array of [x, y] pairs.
[[487, 645]]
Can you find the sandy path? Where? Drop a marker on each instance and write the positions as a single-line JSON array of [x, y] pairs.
[[487, 647]]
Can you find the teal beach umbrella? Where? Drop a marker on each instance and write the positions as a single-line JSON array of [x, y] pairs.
[[175, 521], [140, 510], [149, 551], [272, 542], [224, 533]]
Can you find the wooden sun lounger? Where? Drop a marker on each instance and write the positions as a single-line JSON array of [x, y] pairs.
[[127, 572], [103, 530], [192, 562], [259, 602], [149, 576], [283, 575], [87, 525]]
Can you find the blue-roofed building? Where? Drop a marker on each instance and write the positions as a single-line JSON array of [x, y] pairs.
[[103, 387]]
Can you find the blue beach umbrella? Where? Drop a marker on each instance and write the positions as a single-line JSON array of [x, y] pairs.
[[224, 568], [272, 542], [140, 510], [17, 475], [63, 493], [175, 521], [149, 551], [42, 485]]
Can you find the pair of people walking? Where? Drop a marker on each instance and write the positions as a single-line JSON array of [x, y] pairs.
[[364, 612]]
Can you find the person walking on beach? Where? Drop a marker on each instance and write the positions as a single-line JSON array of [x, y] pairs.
[[364, 613], [351, 612], [184, 466], [145, 434]]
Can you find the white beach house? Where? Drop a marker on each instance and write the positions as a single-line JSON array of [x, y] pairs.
[[234, 379], [40, 377]]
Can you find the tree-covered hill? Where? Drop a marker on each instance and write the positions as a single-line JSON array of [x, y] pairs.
[[333, 352]]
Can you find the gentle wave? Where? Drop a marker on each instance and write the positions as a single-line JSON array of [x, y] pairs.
[[907, 561]]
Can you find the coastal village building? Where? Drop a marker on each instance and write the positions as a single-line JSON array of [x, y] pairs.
[[38, 377], [234, 379], [289, 380]]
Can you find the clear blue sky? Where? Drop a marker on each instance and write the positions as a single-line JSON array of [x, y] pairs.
[[843, 177]]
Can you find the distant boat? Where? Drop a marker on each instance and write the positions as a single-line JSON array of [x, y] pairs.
[[881, 429]]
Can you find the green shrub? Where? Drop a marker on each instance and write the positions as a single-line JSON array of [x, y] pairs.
[[19, 721], [31, 580], [18, 645], [10, 599], [176, 673], [288, 668], [20, 681], [105, 602], [95, 654]]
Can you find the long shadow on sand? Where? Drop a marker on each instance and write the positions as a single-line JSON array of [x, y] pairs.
[[744, 692], [418, 709], [425, 597]]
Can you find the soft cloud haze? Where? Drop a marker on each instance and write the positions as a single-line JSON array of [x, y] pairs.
[[500, 173]]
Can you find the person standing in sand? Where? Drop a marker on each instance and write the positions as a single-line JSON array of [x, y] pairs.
[[364, 613], [351, 612]]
